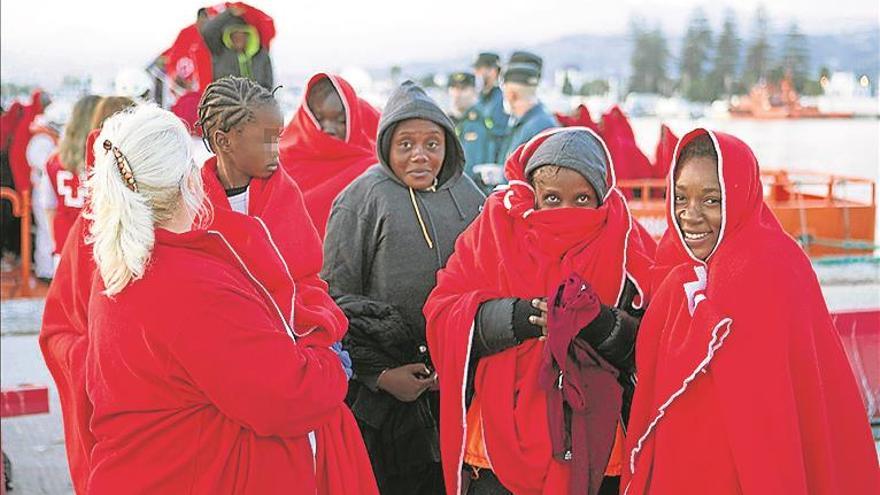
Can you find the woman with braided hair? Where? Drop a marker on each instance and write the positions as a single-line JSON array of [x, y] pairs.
[[241, 123]]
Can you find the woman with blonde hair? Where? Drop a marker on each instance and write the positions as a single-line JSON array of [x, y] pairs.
[[197, 381], [65, 171]]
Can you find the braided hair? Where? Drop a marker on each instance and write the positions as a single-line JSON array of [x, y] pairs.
[[228, 102]]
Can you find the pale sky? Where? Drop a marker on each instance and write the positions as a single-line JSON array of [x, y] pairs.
[[48, 38]]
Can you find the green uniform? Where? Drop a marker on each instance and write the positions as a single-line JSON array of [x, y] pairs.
[[491, 105]]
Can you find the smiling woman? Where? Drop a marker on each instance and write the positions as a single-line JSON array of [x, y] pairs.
[[698, 197], [743, 383]]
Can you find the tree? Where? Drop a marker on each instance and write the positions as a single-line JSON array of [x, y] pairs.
[[567, 87], [758, 53], [648, 60], [695, 56], [427, 81], [795, 58], [726, 61], [396, 72], [597, 87]]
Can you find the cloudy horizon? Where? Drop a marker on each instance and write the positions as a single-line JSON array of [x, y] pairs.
[[100, 37]]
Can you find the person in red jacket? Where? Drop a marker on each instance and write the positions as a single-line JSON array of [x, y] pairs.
[[21, 137], [744, 386], [66, 170], [187, 62], [200, 379], [329, 143]]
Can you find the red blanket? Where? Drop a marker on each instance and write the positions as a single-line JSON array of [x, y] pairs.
[[255, 17], [579, 117], [513, 251], [277, 202], [744, 386], [21, 136], [343, 464], [189, 60], [629, 161], [64, 339], [255, 416], [8, 123], [64, 342], [664, 151], [323, 165]]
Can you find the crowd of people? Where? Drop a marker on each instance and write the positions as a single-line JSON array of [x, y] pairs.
[[358, 302]]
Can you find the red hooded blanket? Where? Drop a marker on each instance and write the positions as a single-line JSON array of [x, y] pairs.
[[744, 386], [321, 164], [513, 251]]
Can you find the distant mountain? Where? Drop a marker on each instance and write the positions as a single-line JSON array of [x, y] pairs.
[[608, 56]]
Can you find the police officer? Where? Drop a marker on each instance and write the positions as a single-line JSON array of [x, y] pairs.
[[528, 116], [487, 68], [471, 126]]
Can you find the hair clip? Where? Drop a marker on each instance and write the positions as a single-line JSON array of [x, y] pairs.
[[122, 165]]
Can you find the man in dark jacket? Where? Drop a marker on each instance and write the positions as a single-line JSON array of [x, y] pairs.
[[487, 69], [528, 116], [236, 48], [389, 232], [473, 128]]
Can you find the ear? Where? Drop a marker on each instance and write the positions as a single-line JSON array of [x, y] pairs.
[[222, 141]]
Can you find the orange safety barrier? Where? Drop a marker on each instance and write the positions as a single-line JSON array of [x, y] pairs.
[[21, 207]]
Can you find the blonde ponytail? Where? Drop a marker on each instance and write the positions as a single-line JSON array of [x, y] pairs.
[[154, 147]]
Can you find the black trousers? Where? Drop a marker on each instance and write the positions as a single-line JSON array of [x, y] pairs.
[[487, 484], [427, 481]]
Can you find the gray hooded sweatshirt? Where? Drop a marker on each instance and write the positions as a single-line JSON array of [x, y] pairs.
[[375, 245]]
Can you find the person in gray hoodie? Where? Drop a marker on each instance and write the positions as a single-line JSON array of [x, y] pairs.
[[388, 234]]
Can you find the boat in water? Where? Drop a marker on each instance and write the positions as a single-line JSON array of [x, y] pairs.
[[778, 101]]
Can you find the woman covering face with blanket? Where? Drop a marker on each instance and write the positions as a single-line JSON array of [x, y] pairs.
[[561, 216]]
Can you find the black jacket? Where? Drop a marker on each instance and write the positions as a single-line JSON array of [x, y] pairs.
[[398, 435]]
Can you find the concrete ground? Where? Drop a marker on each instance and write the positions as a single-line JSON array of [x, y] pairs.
[[34, 444]]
